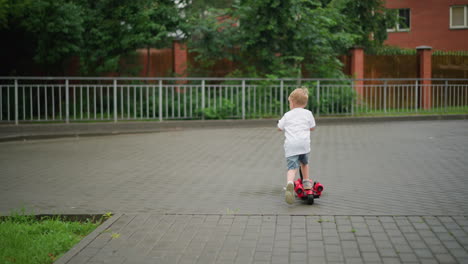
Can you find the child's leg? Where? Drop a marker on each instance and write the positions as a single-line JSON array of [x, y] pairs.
[[304, 163], [289, 194], [292, 170], [305, 171], [291, 175], [305, 176]]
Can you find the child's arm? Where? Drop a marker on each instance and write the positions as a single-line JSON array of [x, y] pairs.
[[312, 124], [281, 124]]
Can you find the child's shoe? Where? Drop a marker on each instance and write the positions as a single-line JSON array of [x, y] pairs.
[[307, 184], [289, 195]]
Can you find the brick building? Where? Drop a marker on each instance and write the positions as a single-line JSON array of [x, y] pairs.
[[441, 24]]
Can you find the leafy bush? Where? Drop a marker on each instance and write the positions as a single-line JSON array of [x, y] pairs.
[[224, 111]]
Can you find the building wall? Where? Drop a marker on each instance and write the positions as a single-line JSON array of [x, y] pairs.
[[430, 25]]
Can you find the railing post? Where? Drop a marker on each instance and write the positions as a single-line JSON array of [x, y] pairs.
[[67, 102], [160, 101], [385, 97], [445, 95], [318, 98], [203, 99], [416, 96], [115, 100], [16, 102], [282, 97], [243, 99]]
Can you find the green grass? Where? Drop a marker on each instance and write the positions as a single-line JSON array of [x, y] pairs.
[[26, 239]]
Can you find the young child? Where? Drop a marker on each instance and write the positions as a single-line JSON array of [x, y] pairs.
[[297, 124]]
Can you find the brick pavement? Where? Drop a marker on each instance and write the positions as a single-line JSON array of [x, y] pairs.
[[155, 238], [192, 195]]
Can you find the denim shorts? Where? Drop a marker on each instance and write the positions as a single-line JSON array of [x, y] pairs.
[[293, 161]]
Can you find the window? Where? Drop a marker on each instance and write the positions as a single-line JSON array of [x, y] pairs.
[[458, 16], [403, 23]]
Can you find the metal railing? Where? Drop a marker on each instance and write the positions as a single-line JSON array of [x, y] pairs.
[[73, 99]]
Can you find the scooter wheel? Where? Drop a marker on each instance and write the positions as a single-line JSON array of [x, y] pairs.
[[310, 199]]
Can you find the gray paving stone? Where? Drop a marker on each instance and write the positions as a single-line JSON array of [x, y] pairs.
[[262, 256], [298, 247], [391, 261], [316, 252], [462, 260], [331, 240], [459, 253], [347, 236], [438, 249], [232, 201], [335, 257], [80, 259], [320, 260], [280, 259], [371, 257], [367, 248], [351, 253], [408, 257], [365, 240], [388, 252], [445, 258], [423, 253]]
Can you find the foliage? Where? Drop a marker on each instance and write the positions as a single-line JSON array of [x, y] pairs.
[[286, 37], [117, 28], [390, 50], [4, 7], [450, 53], [368, 19], [221, 112], [62, 36], [280, 37], [45, 30], [336, 100], [100, 33], [284, 34], [45, 240]]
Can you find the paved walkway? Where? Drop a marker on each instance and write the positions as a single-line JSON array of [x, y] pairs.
[[395, 192]]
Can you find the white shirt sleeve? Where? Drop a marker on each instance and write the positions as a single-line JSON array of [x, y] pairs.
[[311, 121], [281, 122]]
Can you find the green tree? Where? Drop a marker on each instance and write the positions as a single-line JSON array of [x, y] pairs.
[[4, 7], [283, 37], [100, 33], [369, 19], [58, 28], [48, 31], [277, 37], [116, 28], [110, 34]]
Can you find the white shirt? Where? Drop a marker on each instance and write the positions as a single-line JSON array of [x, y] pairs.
[[296, 125]]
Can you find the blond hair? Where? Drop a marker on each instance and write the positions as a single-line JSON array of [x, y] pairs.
[[299, 96]]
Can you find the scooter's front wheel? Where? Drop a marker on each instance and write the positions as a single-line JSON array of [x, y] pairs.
[[310, 199]]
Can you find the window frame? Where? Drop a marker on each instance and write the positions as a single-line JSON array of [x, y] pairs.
[[465, 17], [397, 28]]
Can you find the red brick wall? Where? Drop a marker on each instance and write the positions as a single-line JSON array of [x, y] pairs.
[[430, 25]]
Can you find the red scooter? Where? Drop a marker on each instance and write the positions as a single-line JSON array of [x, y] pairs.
[[307, 195]]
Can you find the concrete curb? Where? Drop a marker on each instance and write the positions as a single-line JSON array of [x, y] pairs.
[[11, 132], [87, 240]]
